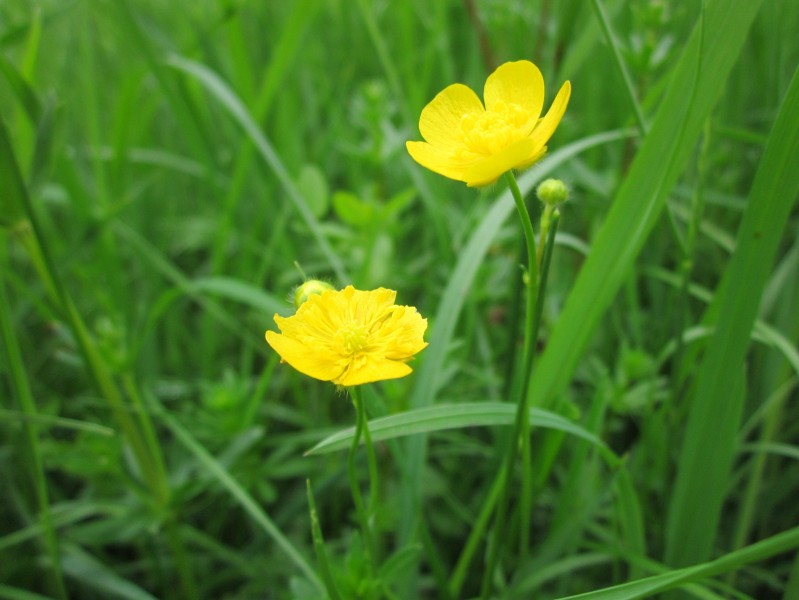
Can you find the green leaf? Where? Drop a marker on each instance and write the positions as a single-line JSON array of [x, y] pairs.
[[84, 567], [457, 416], [236, 109], [710, 442], [250, 506], [313, 186], [240, 291], [696, 83], [352, 210], [24, 93], [649, 586], [12, 198]]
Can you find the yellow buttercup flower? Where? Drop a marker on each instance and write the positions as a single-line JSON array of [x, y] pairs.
[[475, 144], [350, 336]]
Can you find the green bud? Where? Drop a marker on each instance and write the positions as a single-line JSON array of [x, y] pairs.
[[552, 192], [307, 289]]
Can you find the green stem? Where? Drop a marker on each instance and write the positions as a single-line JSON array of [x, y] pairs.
[[465, 559], [360, 507], [546, 219], [319, 546], [520, 438], [548, 232]]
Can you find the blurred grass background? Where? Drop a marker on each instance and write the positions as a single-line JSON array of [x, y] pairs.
[[181, 158]]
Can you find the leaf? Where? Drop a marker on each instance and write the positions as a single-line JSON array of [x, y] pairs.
[[217, 87], [352, 210], [240, 291], [650, 586], [695, 85], [710, 442], [313, 186], [456, 416]]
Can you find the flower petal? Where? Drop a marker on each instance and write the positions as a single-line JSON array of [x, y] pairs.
[[438, 161], [547, 126], [489, 169], [371, 368], [319, 365], [519, 83], [440, 121]]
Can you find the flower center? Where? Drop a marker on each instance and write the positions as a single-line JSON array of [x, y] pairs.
[[489, 132], [352, 337]]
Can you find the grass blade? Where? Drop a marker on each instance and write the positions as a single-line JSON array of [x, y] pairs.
[[649, 586], [236, 109], [710, 442], [212, 466], [704, 66], [456, 416]]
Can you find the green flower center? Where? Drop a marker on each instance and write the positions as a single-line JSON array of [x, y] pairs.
[[490, 132], [352, 337]]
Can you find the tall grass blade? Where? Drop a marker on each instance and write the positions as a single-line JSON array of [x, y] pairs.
[[643, 588], [705, 63], [236, 109], [250, 506], [715, 412], [457, 416]]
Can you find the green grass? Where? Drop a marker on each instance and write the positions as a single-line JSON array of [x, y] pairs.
[[168, 173]]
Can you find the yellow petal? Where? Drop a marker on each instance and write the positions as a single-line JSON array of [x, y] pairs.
[[489, 169], [438, 161], [547, 126], [369, 369], [440, 121], [519, 83], [319, 365]]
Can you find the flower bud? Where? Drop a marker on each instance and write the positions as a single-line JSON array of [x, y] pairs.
[[307, 289], [552, 192]]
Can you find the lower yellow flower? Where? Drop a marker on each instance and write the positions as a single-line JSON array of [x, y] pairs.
[[476, 144], [350, 336]]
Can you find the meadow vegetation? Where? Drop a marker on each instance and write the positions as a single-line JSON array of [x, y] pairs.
[[171, 171]]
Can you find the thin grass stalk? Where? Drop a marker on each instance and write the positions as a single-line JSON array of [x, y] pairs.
[[21, 387], [622, 66], [751, 493], [319, 546], [697, 210], [475, 535]]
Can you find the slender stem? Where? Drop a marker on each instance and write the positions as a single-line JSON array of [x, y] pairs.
[[360, 507], [465, 559], [625, 74], [526, 500], [319, 546], [546, 219], [520, 438], [372, 509]]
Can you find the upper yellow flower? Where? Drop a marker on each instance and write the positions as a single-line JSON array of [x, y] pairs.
[[476, 144], [350, 336]]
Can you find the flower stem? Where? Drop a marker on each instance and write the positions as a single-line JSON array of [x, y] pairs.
[[537, 256], [362, 429]]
